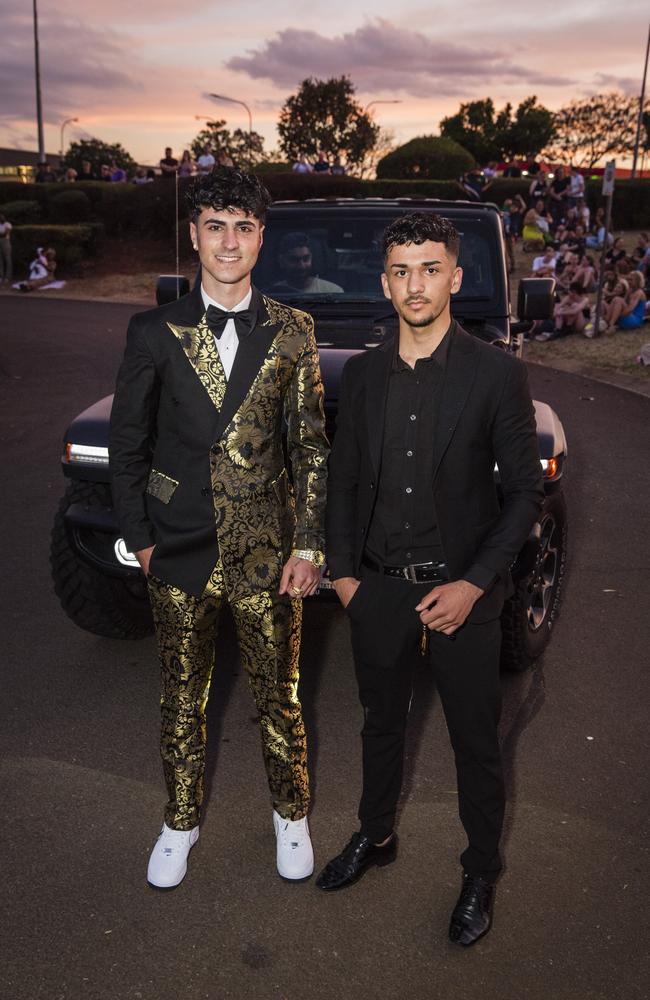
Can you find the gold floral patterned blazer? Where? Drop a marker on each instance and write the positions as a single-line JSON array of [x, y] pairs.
[[197, 462]]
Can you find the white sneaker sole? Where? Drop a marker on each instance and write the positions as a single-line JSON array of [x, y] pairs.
[[288, 875], [298, 877]]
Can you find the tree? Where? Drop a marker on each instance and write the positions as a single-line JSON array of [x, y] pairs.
[[324, 115], [531, 130], [490, 135], [588, 131], [385, 144], [243, 147], [473, 127], [428, 157], [98, 152]]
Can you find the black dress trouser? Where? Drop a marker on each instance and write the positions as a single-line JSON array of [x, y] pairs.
[[386, 633]]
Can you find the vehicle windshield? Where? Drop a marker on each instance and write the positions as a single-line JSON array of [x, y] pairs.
[[338, 259]]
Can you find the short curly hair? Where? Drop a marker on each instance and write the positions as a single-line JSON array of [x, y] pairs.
[[227, 187], [418, 227]]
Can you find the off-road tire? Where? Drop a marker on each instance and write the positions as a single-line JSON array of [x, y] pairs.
[[530, 614], [104, 605]]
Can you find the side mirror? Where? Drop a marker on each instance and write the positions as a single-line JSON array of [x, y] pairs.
[[170, 287], [536, 298]]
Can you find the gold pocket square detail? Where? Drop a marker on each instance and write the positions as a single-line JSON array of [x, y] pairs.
[[161, 486]]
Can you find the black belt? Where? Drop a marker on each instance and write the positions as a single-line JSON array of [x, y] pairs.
[[427, 572]]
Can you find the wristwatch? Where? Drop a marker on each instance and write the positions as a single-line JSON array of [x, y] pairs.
[[314, 556]]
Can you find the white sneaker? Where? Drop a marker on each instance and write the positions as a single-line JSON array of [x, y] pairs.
[[168, 861], [295, 856]]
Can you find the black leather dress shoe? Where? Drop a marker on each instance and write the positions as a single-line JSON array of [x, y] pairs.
[[359, 855], [471, 917]]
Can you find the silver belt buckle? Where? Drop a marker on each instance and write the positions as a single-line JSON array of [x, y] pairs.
[[409, 572]]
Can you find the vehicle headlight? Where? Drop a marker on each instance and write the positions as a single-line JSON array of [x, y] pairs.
[[550, 467], [124, 555], [85, 454]]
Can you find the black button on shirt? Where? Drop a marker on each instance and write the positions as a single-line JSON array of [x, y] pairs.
[[403, 528]]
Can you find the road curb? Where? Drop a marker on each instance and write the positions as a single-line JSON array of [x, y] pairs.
[[618, 380]]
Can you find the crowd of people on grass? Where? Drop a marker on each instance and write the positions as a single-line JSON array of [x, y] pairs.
[[555, 223], [577, 271]]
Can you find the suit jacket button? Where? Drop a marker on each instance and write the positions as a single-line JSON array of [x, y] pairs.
[[372, 486], [206, 491]]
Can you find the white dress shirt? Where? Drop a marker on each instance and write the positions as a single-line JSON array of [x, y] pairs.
[[228, 343]]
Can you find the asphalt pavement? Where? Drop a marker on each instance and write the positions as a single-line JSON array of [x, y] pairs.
[[81, 786]]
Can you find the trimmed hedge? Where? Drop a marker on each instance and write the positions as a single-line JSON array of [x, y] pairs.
[[72, 245], [428, 156], [148, 210], [69, 206], [21, 213]]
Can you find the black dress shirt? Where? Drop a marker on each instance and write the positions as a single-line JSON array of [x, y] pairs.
[[403, 528]]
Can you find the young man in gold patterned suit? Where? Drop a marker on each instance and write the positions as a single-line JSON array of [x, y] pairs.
[[203, 499]]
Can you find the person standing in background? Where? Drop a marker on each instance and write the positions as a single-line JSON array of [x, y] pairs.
[[186, 166], [86, 173], [205, 162], [6, 269], [168, 164]]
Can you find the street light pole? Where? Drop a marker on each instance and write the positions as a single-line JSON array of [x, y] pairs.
[[66, 121], [39, 106], [641, 101], [233, 100], [370, 104]]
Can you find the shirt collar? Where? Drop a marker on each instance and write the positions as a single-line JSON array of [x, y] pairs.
[[439, 355], [244, 304]]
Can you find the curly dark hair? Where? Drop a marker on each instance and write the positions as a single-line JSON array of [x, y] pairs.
[[227, 187], [418, 227]]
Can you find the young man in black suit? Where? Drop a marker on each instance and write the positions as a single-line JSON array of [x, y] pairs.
[[419, 547], [203, 499]]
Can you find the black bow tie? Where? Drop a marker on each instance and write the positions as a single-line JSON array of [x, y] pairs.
[[217, 319]]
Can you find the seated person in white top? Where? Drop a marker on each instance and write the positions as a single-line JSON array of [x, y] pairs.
[[296, 262], [544, 265]]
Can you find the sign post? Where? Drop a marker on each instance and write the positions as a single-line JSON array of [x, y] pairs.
[[608, 193]]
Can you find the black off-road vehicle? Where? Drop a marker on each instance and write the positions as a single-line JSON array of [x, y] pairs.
[[334, 276]]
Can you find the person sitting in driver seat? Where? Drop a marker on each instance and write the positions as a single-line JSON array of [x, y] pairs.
[[295, 258]]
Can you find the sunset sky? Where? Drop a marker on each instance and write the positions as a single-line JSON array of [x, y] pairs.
[[138, 73]]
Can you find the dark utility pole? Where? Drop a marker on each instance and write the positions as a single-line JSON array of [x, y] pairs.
[[39, 106], [609, 178], [641, 102]]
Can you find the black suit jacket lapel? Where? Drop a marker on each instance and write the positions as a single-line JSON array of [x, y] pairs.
[[379, 367], [460, 372], [251, 352]]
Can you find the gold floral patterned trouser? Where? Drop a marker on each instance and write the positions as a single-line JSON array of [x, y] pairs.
[[268, 631]]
